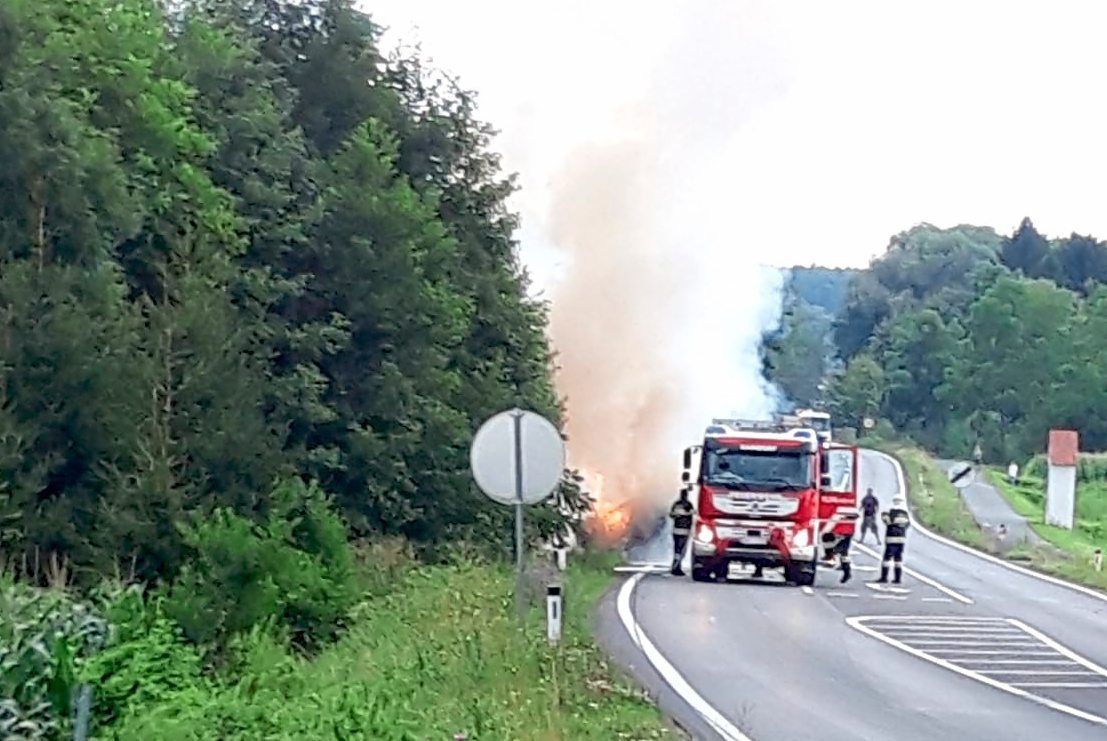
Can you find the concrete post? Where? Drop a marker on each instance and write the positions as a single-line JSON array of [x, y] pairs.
[[1061, 478]]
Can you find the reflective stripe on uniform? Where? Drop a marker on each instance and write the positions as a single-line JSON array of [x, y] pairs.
[[895, 539]]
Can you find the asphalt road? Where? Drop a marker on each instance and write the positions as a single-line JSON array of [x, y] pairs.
[[967, 649]]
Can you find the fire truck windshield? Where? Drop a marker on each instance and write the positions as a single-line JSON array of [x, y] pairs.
[[756, 469], [819, 424]]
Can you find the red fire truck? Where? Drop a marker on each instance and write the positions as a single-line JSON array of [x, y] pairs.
[[768, 497]]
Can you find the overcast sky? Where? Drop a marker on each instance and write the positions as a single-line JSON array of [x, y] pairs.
[[812, 131], [668, 151]]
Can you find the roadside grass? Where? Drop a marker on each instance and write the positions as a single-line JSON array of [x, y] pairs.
[[1066, 554], [1076, 546], [438, 657]]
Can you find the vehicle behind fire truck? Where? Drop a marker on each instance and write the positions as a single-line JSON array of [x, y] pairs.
[[767, 497], [808, 419]]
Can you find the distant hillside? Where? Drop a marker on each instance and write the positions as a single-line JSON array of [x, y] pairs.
[[822, 287]]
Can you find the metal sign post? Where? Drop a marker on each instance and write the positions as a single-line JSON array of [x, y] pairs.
[[520, 545], [517, 458]]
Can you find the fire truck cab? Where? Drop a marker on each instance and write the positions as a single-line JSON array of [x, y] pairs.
[[767, 497]]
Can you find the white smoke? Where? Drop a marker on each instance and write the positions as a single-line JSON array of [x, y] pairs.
[[658, 320], [663, 302]]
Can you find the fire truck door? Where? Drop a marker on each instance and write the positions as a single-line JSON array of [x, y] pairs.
[[838, 494]]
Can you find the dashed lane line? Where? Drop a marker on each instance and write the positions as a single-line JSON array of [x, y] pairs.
[[923, 578]]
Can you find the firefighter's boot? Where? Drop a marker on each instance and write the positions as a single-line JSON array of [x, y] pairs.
[[847, 570], [899, 574], [883, 575]]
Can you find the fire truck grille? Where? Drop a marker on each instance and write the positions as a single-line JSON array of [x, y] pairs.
[[758, 505]]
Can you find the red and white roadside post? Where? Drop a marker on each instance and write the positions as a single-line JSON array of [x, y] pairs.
[[1061, 478]]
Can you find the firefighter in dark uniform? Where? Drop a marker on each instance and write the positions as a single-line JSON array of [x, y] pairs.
[[896, 521], [841, 549], [681, 513]]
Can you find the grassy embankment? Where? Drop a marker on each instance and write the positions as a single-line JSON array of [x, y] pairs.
[[937, 504], [1027, 497], [436, 655]]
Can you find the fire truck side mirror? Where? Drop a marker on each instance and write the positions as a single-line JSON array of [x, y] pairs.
[[687, 459], [824, 481], [686, 477]]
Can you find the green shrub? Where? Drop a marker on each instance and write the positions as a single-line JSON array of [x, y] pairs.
[[44, 639], [294, 569], [147, 660]]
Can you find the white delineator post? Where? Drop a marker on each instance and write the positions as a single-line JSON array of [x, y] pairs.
[[1061, 479], [553, 613]]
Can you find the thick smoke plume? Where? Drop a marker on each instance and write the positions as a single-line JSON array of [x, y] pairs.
[[656, 324]]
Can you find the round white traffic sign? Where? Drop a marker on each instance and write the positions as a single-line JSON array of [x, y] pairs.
[[517, 457]]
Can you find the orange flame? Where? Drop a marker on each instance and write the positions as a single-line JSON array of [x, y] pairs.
[[610, 519]]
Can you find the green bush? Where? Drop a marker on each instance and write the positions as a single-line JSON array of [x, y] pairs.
[[146, 662], [44, 639], [294, 569]]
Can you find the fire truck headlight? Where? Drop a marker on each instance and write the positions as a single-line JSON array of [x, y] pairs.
[[705, 535], [801, 539]]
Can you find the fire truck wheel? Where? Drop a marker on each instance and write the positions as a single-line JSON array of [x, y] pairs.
[[700, 572], [800, 573]]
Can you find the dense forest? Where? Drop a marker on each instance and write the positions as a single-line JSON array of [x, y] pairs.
[[258, 287], [239, 245], [960, 335]]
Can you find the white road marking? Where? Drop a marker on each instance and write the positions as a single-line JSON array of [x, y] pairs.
[[910, 635], [641, 569], [987, 556], [982, 629], [857, 567], [842, 594], [924, 579], [1066, 685], [1016, 661], [936, 599], [1047, 672], [997, 644], [680, 685], [1060, 649], [807, 590], [890, 596], [859, 623], [974, 652], [943, 618]]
